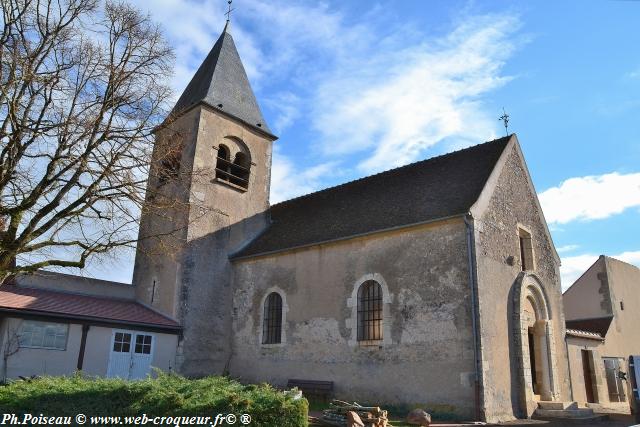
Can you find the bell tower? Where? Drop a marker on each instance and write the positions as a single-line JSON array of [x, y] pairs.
[[208, 193]]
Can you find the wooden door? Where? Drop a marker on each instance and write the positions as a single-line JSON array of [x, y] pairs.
[[587, 370]]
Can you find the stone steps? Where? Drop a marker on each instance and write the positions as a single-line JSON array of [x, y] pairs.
[[568, 412]]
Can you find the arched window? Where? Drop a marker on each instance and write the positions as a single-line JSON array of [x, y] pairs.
[[370, 311], [272, 319], [240, 170], [223, 164]]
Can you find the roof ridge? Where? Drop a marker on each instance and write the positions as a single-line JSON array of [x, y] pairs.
[[344, 184]]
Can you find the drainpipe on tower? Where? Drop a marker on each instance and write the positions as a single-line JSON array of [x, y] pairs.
[[473, 285]]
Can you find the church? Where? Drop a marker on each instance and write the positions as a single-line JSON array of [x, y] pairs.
[[435, 284], [432, 285]]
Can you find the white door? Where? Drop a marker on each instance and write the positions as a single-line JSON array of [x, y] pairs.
[[131, 355], [141, 357], [120, 357]]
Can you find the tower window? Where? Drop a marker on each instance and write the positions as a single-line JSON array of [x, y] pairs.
[[370, 311], [234, 171], [240, 170], [526, 250], [223, 165], [272, 319]]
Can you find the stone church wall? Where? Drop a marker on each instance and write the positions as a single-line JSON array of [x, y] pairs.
[[497, 246], [426, 358]]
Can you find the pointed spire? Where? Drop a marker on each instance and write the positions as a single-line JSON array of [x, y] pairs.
[[221, 82]]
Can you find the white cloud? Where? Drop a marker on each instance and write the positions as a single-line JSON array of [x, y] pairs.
[[632, 257], [288, 105], [573, 266], [398, 99], [567, 248], [288, 180], [591, 197]]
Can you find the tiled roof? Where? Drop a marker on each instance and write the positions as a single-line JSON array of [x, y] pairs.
[[584, 334], [598, 325], [431, 189], [40, 302], [222, 83]]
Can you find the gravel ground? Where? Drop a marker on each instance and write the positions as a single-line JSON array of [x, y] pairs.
[[614, 420]]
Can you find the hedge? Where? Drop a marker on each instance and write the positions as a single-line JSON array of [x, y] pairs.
[[165, 395]]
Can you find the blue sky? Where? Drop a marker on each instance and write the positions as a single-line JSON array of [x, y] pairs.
[[353, 88]]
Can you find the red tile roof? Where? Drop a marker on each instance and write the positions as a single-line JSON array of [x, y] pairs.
[[585, 334], [598, 325], [40, 302]]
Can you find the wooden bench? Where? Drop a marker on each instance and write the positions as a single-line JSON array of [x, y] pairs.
[[322, 389]]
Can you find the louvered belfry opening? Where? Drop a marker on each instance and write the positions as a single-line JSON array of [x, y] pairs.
[[240, 170], [272, 320], [370, 311], [222, 163], [236, 171]]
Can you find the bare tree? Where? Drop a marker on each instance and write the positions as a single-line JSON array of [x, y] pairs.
[[83, 85], [11, 346]]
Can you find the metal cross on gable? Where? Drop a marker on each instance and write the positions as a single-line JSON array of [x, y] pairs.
[[505, 118], [229, 11]]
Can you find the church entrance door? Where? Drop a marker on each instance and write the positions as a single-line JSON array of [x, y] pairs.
[[535, 344]]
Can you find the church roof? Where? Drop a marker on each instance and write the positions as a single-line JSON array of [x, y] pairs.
[[431, 189], [222, 83]]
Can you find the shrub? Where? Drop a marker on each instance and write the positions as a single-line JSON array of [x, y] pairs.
[[166, 395]]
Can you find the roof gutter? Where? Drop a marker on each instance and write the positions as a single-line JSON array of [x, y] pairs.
[[473, 286]]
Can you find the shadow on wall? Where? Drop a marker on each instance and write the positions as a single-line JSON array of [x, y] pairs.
[[206, 294]]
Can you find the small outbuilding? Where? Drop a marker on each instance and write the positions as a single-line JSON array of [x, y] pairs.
[[56, 324], [602, 312]]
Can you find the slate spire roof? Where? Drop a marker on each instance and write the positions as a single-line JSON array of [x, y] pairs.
[[428, 190], [222, 83]]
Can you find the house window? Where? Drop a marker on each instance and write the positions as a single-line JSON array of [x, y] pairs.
[[143, 344], [272, 320], [223, 164], [52, 336], [526, 250], [122, 342], [370, 311]]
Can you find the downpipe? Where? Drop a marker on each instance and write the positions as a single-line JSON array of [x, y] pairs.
[[468, 221]]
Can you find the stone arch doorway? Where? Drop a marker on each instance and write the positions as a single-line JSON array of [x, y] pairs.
[[535, 344]]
